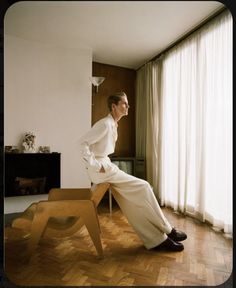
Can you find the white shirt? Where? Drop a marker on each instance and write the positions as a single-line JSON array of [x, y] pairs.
[[99, 142]]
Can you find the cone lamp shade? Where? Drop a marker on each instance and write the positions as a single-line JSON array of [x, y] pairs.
[[96, 81]]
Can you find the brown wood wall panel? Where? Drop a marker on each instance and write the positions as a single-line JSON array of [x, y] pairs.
[[117, 79]]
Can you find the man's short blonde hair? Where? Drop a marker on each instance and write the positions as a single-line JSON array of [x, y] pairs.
[[114, 99]]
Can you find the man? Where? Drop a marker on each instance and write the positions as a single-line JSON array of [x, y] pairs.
[[134, 196]]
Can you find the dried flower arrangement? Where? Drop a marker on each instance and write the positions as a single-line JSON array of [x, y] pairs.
[[28, 143]]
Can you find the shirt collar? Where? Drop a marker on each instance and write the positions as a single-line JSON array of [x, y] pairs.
[[113, 121]]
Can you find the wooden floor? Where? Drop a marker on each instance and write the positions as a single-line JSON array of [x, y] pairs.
[[206, 259]]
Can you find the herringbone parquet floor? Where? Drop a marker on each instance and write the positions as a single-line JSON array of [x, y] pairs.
[[72, 261]]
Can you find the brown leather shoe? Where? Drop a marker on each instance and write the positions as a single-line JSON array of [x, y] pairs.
[[177, 235], [170, 245]]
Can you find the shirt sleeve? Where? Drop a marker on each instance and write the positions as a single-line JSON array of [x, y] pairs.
[[94, 135]]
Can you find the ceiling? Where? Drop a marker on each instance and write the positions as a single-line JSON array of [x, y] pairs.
[[121, 33]]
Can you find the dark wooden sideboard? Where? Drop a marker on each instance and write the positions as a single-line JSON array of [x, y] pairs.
[[31, 166]]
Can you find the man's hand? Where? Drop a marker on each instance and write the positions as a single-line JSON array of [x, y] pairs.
[[102, 170]]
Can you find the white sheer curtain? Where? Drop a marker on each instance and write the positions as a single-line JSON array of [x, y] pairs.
[[196, 125]]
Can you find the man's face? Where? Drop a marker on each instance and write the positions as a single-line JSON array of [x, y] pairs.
[[122, 107]]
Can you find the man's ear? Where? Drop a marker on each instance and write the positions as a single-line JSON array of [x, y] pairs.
[[113, 106]]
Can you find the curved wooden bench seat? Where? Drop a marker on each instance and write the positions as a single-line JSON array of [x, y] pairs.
[[63, 214]]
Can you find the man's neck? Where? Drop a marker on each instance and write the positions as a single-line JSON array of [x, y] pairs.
[[116, 117]]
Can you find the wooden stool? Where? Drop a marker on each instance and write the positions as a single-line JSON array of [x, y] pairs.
[[75, 206]]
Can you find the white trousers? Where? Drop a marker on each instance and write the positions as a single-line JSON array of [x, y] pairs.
[[137, 202]]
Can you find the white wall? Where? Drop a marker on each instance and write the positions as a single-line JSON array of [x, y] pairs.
[[47, 91]]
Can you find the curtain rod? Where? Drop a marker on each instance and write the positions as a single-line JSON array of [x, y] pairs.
[[217, 13]]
